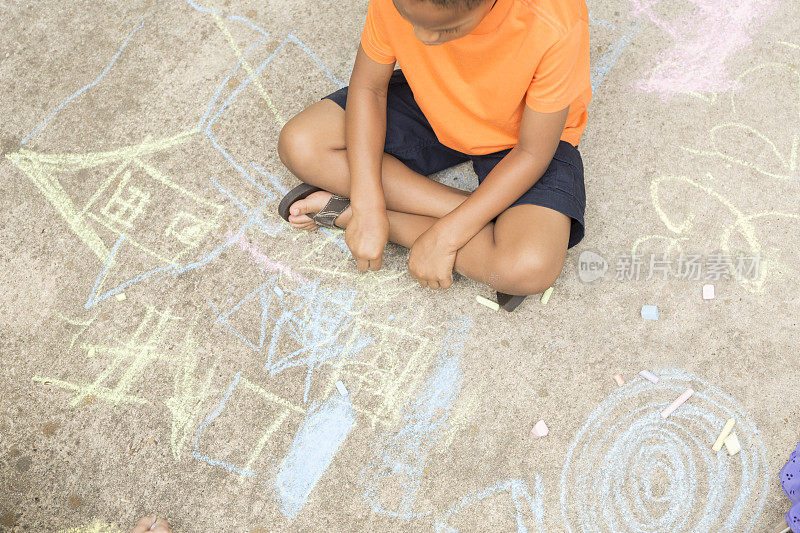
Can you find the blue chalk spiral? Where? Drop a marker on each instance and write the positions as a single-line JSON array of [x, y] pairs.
[[630, 470]]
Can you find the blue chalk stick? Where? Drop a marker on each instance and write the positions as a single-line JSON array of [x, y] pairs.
[[650, 312]]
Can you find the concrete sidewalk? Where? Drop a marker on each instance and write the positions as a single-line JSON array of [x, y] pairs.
[[171, 345]]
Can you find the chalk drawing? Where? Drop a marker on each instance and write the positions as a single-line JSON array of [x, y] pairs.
[[315, 444], [253, 221], [743, 225], [381, 368], [220, 22], [704, 37], [75, 322], [263, 260], [603, 65], [278, 407], [319, 321], [85, 87], [95, 526], [392, 478], [458, 419], [740, 143], [43, 170], [526, 510], [628, 469], [127, 361], [132, 196], [140, 352]]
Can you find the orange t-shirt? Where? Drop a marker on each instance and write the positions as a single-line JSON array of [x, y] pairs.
[[473, 89]]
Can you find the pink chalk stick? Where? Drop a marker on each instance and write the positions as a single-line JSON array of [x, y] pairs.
[[677, 403]]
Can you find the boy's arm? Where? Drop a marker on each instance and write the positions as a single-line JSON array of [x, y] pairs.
[[365, 130], [539, 135], [365, 134]]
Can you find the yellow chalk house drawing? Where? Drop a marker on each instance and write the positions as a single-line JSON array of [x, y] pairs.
[[120, 200]]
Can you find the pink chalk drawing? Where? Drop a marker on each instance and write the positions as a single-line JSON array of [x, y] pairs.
[[264, 261], [704, 36]]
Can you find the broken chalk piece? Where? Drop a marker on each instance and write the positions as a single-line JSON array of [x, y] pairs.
[[341, 388], [650, 312], [732, 444], [540, 429], [619, 380], [708, 292], [724, 435], [120, 296], [677, 403], [488, 303], [649, 376], [546, 296], [90, 352]]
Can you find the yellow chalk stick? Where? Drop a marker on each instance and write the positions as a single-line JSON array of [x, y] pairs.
[[90, 352], [120, 296], [488, 303], [732, 444], [724, 435], [546, 296]]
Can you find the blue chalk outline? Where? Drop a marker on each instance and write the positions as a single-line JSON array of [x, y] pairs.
[[520, 496], [209, 419], [85, 87]]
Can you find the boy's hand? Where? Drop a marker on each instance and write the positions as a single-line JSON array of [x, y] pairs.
[[366, 236], [152, 524], [431, 260]]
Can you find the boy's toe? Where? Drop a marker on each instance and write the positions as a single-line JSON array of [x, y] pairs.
[[297, 212]]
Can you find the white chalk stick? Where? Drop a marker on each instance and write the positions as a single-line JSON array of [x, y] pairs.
[[488, 303], [341, 388], [708, 292], [732, 444], [724, 435], [677, 403], [649, 376], [619, 380], [540, 429]]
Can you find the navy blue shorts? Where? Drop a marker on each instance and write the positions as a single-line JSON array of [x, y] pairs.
[[410, 138]]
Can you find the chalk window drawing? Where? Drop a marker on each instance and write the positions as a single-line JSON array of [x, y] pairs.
[[188, 228], [127, 203]]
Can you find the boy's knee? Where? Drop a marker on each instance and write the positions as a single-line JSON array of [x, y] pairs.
[[534, 273], [295, 145]]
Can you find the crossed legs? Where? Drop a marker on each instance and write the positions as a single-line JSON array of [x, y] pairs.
[[521, 253]]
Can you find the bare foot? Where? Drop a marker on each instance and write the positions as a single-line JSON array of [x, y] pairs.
[[312, 204]]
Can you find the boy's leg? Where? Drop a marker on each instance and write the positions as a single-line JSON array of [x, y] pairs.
[[312, 147], [522, 252]]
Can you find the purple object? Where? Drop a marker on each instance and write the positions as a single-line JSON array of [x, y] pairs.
[[790, 483], [793, 518], [790, 476]]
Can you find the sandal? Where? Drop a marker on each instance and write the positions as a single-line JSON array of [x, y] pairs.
[[509, 302], [325, 217]]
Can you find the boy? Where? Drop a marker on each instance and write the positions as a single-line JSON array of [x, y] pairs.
[[503, 83]]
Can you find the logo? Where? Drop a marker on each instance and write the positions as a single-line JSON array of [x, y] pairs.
[[591, 266]]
